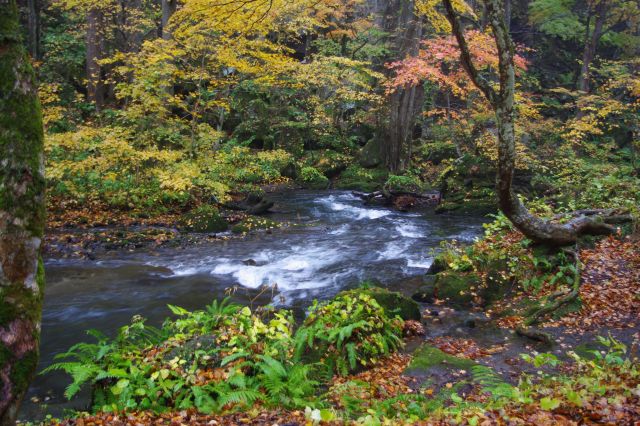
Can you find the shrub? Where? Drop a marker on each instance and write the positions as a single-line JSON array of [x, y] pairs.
[[223, 357], [403, 183], [351, 330], [311, 178]]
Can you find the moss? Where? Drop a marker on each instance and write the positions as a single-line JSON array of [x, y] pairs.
[[204, 219], [371, 154], [311, 178], [393, 302], [23, 371], [457, 288], [361, 179], [403, 183], [427, 357]]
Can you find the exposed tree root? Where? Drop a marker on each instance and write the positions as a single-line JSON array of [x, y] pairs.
[[556, 300]]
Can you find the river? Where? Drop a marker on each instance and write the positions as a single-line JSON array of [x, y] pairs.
[[333, 243]]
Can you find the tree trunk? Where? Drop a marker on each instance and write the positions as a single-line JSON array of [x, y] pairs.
[[404, 103], [534, 228], [94, 47], [22, 188], [168, 9], [591, 46]]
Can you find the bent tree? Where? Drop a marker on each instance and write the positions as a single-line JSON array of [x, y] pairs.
[[502, 101], [22, 216]]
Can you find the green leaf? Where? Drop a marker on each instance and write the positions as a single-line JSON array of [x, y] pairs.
[[549, 404]]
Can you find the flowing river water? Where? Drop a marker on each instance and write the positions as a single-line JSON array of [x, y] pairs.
[[334, 243]]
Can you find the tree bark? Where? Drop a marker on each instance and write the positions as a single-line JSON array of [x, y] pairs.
[[591, 46], [502, 102], [168, 9], [404, 103], [22, 216], [95, 50]]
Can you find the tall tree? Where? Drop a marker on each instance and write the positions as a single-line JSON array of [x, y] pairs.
[[95, 52], [503, 103], [22, 216], [405, 102]]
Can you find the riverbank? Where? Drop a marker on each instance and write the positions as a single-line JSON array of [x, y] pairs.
[[470, 366], [457, 332]]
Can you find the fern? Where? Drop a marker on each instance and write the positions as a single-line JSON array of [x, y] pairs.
[[491, 381]]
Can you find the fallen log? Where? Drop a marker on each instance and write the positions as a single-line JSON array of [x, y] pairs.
[[401, 200]]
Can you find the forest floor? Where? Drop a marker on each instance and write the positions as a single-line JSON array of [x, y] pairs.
[[610, 295]]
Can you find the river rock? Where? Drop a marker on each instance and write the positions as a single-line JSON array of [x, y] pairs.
[[426, 292], [371, 154], [393, 302], [457, 288]]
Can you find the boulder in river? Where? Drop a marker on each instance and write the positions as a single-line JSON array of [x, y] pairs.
[[393, 302]]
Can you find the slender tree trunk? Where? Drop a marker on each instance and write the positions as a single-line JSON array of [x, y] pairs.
[[22, 188], [507, 14], [502, 101], [403, 104], [591, 46], [94, 47]]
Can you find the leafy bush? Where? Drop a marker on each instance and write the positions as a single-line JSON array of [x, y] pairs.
[[311, 178], [403, 183], [221, 357], [350, 331]]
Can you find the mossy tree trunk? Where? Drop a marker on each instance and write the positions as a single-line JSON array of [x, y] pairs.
[[22, 216], [503, 104]]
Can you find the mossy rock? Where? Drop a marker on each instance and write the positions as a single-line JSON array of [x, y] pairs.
[[498, 281], [393, 302], [426, 292], [332, 163], [371, 154], [361, 179], [203, 219], [428, 357], [311, 178], [439, 264], [457, 288]]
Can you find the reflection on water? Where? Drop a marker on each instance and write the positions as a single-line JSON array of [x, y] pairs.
[[339, 243]]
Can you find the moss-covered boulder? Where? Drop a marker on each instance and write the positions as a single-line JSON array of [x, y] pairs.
[[428, 358], [203, 219], [393, 302], [311, 178], [332, 163], [371, 154], [361, 179], [457, 288], [439, 264]]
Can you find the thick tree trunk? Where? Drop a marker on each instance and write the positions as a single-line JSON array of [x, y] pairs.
[[168, 9], [533, 227], [405, 102], [94, 47], [21, 216]]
